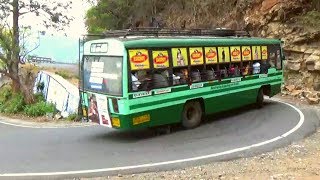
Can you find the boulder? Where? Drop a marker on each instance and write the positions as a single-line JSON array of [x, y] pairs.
[[312, 100], [313, 62], [316, 86], [58, 116], [311, 97], [296, 93], [293, 65], [290, 88]]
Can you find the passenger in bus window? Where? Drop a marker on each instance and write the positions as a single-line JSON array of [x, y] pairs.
[[175, 79], [237, 71], [210, 74], [224, 72], [246, 70], [256, 68], [160, 79], [264, 67], [232, 71], [196, 75], [145, 78], [183, 75], [135, 82]]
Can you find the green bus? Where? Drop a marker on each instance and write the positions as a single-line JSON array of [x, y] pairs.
[[147, 78]]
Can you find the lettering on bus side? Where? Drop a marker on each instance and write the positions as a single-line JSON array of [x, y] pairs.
[[263, 75], [196, 86], [238, 79], [224, 86], [163, 91], [142, 94]]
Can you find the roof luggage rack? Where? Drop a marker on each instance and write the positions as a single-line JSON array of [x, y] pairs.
[[219, 32]]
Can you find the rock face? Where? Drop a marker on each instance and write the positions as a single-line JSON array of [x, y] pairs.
[[276, 19]]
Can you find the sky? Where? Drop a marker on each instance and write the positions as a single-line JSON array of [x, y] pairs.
[[61, 46]]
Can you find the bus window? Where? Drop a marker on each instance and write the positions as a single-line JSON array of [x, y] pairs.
[[141, 80], [246, 70], [180, 76], [211, 72], [224, 70], [195, 75], [264, 67], [272, 60], [279, 62], [160, 79], [256, 68]]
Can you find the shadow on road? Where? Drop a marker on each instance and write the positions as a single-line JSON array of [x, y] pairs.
[[131, 136]]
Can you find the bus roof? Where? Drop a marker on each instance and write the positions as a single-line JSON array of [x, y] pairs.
[[194, 41]]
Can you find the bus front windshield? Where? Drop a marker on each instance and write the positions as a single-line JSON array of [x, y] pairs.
[[102, 74]]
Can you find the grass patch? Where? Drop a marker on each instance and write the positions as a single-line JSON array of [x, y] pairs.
[[14, 104], [64, 74], [40, 108]]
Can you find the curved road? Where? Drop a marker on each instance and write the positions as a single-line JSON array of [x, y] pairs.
[[97, 151]]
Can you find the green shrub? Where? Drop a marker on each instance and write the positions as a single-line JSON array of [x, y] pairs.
[[13, 105], [39, 109], [5, 93], [73, 117], [39, 97]]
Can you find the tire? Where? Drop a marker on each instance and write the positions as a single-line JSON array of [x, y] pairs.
[[260, 98], [192, 114]]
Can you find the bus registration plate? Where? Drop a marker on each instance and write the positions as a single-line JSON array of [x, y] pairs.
[[141, 119]]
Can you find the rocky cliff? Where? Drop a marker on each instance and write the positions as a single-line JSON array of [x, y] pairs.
[[297, 23]]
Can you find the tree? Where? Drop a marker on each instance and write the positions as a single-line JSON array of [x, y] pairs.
[[11, 51]]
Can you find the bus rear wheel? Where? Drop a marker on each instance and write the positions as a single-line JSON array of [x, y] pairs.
[[192, 114], [260, 98]]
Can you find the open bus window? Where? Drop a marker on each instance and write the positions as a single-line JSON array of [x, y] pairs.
[[264, 66], [273, 60], [279, 62], [256, 68], [141, 80], [211, 72], [196, 75], [246, 70], [224, 71], [180, 76], [234, 70], [160, 79]]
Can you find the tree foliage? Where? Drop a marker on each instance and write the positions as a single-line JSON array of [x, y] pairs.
[[11, 47], [119, 14]]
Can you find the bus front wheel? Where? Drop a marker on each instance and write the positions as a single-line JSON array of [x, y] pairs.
[[192, 114]]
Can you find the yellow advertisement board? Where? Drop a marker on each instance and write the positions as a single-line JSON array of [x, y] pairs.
[[196, 56], [264, 52], [246, 53], [179, 56], [211, 55], [256, 52], [160, 59], [139, 59], [235, 53], [224, 54]]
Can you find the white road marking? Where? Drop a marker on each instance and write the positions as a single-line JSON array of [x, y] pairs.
[[41, 127], [301, 121]]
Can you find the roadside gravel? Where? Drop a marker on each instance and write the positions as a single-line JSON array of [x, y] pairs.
[[300, 160]]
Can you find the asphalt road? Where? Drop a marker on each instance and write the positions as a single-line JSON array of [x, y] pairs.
[[97, 151]]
